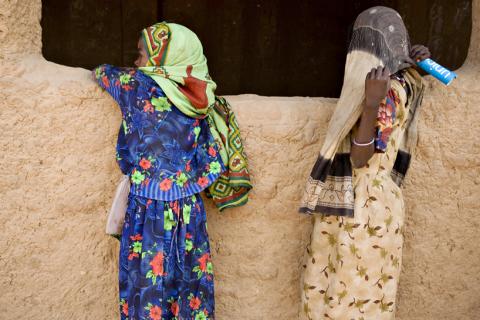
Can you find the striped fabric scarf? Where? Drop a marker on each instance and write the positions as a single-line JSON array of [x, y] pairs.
[[379, 39], [177, 64]]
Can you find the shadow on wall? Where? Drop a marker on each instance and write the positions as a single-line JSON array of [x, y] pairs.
[[265, 47]]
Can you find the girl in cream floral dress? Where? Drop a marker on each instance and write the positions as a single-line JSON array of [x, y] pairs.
[[353, 261]]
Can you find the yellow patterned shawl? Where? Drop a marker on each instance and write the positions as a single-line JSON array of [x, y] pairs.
[[379, 39]]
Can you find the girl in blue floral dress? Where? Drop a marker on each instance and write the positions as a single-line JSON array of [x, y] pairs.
[[172, 144]]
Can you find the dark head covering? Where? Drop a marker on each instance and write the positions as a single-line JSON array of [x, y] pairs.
[[381, 32]]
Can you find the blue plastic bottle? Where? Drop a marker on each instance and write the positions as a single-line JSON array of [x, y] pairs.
[[441, 73]]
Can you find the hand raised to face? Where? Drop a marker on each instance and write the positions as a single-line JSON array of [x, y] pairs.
[[377, 84]]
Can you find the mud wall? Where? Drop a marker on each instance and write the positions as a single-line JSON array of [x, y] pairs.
[[58, 176]]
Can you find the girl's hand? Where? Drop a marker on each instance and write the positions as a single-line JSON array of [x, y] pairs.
[[377, 85], [419, 52]]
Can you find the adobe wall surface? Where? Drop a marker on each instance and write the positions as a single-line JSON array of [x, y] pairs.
[[58, 176]]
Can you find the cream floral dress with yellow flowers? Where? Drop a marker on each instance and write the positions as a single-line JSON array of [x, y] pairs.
[[353, 263]]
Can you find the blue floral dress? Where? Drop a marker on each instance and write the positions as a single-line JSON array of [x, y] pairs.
[[165, 271]]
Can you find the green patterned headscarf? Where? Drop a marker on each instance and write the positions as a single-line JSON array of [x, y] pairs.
[[177, 64]]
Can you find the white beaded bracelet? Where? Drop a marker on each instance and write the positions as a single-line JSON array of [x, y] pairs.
[[363, 144]]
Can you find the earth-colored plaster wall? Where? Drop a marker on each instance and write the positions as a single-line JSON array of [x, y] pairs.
[[58, 176]]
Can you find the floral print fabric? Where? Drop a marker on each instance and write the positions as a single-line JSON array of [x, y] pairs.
[[165, 266], [165, 270], [167, 154], [353, 263], [385, 119]]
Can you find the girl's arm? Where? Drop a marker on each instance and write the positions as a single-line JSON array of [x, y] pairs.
[[377, 85], [118, 82]]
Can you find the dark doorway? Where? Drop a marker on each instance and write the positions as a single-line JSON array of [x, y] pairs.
[[280, 48]]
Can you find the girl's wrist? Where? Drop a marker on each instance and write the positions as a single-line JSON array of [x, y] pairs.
[[370, 106], [369, 115]]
